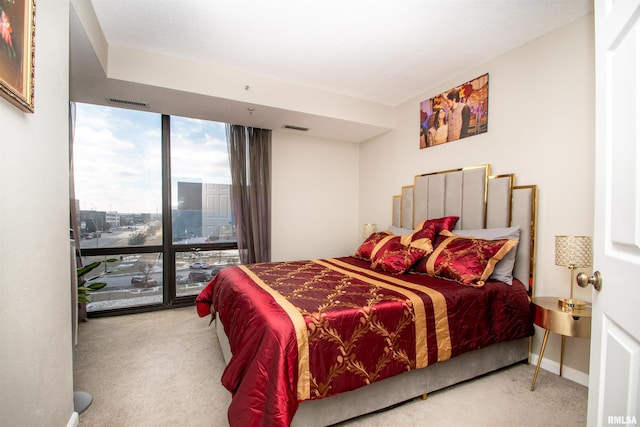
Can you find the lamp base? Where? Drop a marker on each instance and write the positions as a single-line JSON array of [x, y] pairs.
[[571, 304], [81, 401]]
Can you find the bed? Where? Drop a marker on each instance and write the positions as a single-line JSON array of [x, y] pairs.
[[440, 297]]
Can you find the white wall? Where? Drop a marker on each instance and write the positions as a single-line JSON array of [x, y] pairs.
[[541, 126], [314, 200], [36, 379]]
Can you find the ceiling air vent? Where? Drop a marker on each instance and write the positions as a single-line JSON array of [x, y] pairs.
[[127, 103], [300, 128]]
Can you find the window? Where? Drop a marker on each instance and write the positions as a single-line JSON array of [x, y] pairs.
[[166, 245], [200, 182], [118, 177]]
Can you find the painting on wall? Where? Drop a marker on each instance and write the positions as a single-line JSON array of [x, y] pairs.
[[455, 114], [17, 28]]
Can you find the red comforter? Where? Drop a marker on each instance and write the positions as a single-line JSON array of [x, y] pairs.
[[310, 329]]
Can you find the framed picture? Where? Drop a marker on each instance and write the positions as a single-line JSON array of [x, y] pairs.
[[17, 30], [457, 113]]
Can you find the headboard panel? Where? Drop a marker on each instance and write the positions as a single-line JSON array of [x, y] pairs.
[[480, 200], [406, 211], [499, 191], [524, 212], [459, 192], [396, 211]]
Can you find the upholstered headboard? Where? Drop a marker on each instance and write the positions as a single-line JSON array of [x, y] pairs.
[[481, 201]]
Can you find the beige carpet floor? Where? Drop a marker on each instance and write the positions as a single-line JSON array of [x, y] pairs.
[[163, 369]]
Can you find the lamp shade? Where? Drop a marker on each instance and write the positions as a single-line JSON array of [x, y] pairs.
[[573, 251], [368, 229]]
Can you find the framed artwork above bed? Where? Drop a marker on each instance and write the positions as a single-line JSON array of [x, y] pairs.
[[457, 113]]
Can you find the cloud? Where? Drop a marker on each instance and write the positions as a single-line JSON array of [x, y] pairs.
[[118, 157]]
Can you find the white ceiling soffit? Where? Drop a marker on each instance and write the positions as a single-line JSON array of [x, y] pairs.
[[335, 67]]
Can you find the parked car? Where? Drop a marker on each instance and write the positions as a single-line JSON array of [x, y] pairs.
[[199, 276], [141, 282], [199, 264], [216, 269]]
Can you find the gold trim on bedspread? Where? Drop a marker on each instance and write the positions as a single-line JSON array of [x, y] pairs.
[[304, 374], [303, 320], [439, 309]]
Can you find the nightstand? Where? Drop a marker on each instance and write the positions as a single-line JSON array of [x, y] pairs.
[[566, 322]]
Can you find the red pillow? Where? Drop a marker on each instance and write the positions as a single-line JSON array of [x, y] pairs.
[[422, 238], [391, 256], [425, 233], [364, 251], [439, 224], [465, 259]]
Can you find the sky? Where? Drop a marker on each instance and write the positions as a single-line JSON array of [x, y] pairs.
[[117, 157]]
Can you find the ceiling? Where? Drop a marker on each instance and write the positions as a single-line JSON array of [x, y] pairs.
[[372, 55]]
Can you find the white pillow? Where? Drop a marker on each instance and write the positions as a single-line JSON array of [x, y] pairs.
[[503, 270]]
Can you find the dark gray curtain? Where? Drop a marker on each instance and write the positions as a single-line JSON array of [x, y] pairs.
[[250, 158]]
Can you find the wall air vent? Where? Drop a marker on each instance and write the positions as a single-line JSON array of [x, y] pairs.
[[300, 128], [127, 103]]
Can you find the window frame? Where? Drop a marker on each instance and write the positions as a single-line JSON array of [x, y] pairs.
[[168, 249]]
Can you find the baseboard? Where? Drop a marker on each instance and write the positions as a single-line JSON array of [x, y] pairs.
[[567, 372], [73, 421]]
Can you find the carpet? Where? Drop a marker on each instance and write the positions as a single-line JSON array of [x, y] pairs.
[[163, 368]]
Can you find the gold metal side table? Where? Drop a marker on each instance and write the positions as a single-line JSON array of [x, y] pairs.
[[566, 322]]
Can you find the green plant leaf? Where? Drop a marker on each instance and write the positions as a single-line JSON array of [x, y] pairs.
[[83, 288], [96, 286], [81, 271]]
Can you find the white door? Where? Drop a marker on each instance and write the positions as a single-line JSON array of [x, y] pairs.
[[614, 374]]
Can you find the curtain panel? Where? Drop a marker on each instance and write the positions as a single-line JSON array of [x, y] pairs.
[[250, 158]]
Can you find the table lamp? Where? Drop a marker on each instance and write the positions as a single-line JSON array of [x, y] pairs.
[[573, 252]]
